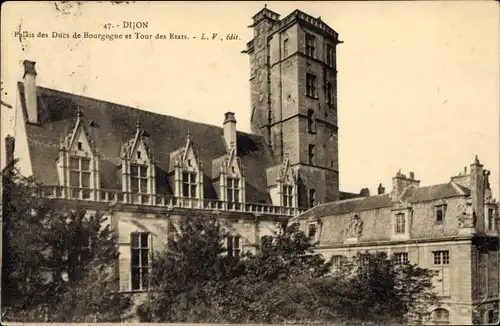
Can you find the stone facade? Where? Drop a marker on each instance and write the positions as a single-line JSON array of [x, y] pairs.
[[293, 84], [146, 171], [451, 228]]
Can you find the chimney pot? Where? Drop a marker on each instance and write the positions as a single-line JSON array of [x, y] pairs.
[[229, 127], [29, 67], [229, 117], [381, 189], [412, 175], [30, 93]]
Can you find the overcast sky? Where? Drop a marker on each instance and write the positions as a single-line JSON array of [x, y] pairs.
[[418, 82]]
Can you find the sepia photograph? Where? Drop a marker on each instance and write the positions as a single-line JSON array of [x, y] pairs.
[[250, 162]]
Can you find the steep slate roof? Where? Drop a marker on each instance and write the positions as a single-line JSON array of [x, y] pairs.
[[116, 124], [411, 195]]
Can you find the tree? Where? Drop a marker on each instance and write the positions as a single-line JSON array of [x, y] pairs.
[[193, 281], [55, 254], [372, 287], [187, 270], [285, 281]]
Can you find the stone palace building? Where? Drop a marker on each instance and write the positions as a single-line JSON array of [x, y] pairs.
[[145, 170]]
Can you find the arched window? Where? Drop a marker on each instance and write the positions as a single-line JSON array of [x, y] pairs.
[[441, 316]]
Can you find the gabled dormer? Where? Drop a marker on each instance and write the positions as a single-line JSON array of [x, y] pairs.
[[137, 167], [188, 170], [78, 162], [401, 219], [282, 182], [287, 184], [232, 178]]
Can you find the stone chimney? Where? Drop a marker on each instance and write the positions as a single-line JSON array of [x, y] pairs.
[[400, 182], [477, 188], [30, 95], [380, 190], [9, 150], [230, 130], [365, 192]]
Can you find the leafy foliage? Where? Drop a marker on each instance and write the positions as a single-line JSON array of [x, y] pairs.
[[283, 282], [53, 254]]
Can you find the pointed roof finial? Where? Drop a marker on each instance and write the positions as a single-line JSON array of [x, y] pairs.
[[78, 112], [265, 5], [476, 160], [137, 124]]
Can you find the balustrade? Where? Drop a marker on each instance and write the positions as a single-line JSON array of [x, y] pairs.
[[116, 196]]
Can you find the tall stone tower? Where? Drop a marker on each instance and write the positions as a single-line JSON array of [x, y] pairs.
[[293, 82]]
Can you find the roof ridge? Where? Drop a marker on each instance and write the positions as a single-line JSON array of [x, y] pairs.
[[459, 188], [65, 93]]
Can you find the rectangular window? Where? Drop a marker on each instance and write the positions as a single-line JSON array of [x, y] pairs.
[[311, 154], [312, 197], [329, 93], [329, 54], [138, 178], [364, 264], [311, 85], [337, 262], [233, 246], [401, 258], [140, 260], [311, 230], [79, 172], [441, 257], [439, 214], [233, 190], [310, 45], [287, 192], [189, 184], [400, 223], [311, 121], [491, 219], [285, 48]]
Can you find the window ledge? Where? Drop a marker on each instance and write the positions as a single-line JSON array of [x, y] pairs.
[[400, 236], [351, 240]]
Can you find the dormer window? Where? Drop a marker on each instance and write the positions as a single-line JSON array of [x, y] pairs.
[[440, 212], [189, 184], [400, 223], [79, 173], [287, 193], [137, 169], [138, 178], [311, 230], [233, 190], [78, 163], [314, 230]]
